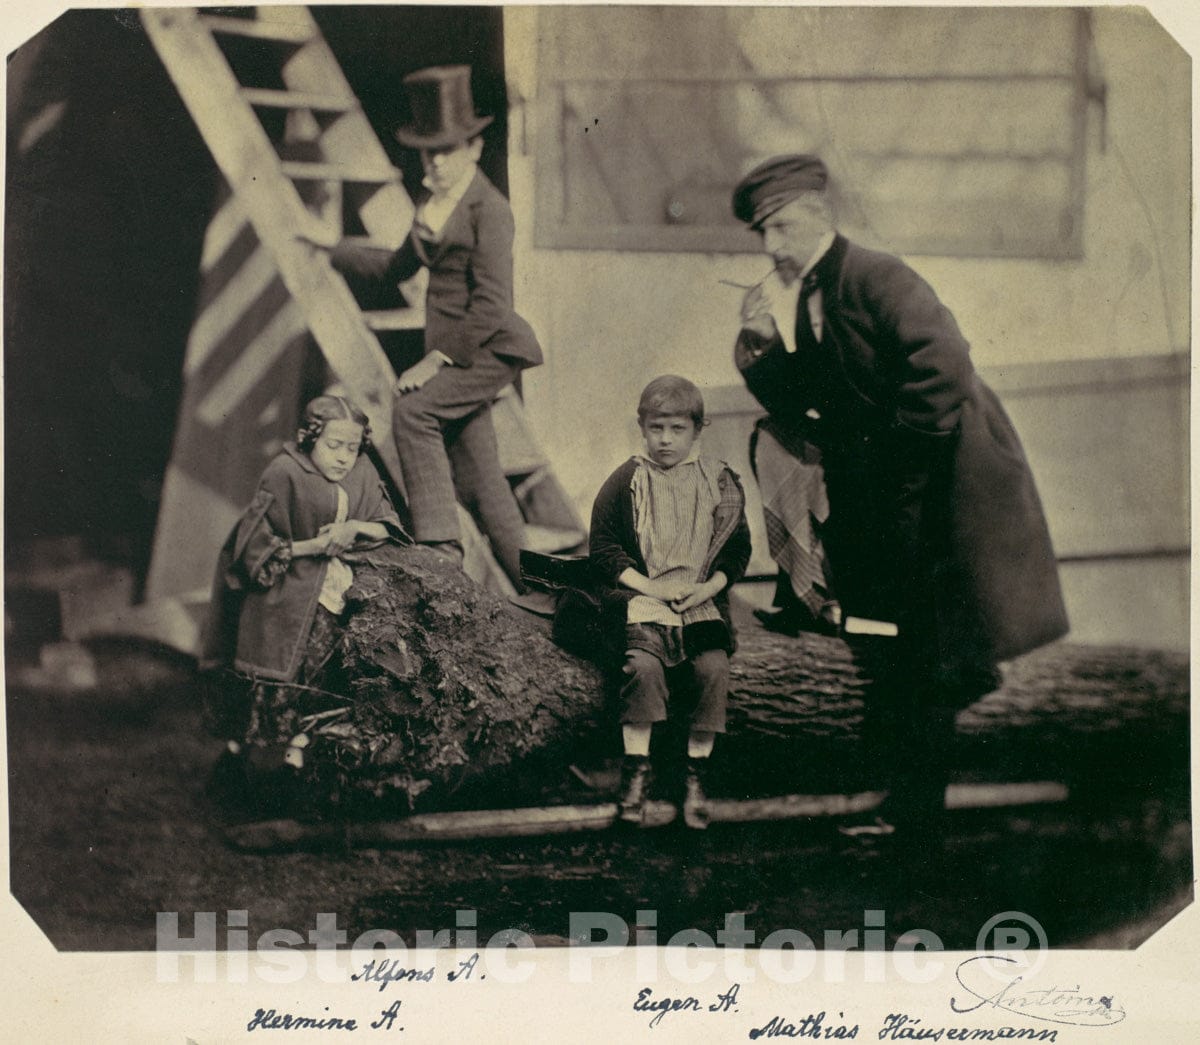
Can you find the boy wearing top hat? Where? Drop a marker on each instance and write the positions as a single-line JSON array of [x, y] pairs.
[[475, 344]]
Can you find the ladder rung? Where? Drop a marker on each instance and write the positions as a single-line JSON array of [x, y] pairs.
[[305, 171], [395, 319], [271, 99], [369, 243], [551, 539], [535, 473], [260, 28]]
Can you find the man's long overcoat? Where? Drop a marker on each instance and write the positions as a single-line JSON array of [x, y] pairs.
[[935, 520]]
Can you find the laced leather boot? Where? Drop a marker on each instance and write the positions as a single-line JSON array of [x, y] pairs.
[[635, 788], [695, 801]]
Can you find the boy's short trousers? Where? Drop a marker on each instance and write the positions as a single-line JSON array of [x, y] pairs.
[[657, 669]]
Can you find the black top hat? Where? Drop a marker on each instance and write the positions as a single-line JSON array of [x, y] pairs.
[[442, 110]]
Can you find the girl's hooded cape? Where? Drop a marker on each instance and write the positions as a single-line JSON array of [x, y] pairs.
[[259, 629]]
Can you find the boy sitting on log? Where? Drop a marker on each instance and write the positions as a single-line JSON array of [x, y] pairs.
[[668, 539]]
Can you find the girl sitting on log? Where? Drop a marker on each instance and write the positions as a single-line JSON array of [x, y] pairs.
[[280, 596], [668, 539]]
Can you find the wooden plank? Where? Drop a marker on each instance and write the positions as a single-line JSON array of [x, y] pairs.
[[272, 99], [267, 835], [226, 308], [252, 364], [366, 173], [791, 807], [388, 212], [991, 796], [396, 319], [271, 30], [247, 159]]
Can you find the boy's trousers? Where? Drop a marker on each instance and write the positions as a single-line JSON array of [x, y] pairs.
[[649, 685], [447, 443]]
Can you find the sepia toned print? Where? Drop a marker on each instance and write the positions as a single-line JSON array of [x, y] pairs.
[[956, 714]]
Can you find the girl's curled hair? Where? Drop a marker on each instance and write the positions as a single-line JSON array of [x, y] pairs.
[[320, 412]]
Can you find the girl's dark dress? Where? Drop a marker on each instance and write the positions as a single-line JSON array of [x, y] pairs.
[[269, 629]]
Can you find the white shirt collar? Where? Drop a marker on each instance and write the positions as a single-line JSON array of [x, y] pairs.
[[435, 212], [823, 245], [785, 300], [457, 190]]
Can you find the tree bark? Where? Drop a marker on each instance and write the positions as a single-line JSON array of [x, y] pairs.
[[481, 707]]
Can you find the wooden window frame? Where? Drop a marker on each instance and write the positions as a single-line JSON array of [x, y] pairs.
[[551, 232]]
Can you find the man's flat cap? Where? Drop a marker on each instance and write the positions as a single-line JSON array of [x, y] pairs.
[[775, 184]]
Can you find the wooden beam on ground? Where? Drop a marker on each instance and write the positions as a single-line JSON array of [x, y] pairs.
[[991, 796], [274, 835]]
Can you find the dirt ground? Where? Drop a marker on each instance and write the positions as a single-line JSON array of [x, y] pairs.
[[110, 826]]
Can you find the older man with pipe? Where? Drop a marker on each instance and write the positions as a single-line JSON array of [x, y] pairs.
[[935, 537]]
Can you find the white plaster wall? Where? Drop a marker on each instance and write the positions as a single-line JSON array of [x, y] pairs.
[[610, 321]]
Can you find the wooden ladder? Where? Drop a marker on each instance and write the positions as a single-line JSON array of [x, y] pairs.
[[298, 155]]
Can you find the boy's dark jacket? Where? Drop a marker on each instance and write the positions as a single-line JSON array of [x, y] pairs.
[[469, 304], [613, 547]]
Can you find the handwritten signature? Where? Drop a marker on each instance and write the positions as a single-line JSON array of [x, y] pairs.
[[646, 1002], [1054, 1004]]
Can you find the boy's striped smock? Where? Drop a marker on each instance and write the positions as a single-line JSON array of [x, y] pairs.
[[673, 516]]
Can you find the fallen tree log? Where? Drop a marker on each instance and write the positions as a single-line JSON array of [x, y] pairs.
[[480, 707], [466, 687]]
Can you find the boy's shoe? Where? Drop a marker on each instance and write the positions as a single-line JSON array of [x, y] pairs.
[[695, 801], [635, 788], [795, 619]]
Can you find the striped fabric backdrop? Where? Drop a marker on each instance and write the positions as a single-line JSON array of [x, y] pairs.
[[242, 384]]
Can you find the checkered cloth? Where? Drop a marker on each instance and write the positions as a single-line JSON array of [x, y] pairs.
[[792, 485]]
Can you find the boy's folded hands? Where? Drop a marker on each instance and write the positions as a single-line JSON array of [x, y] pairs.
[[668, 591], [680, 595], [698, 593], [683, 595]]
